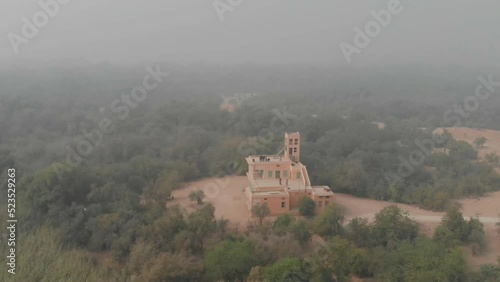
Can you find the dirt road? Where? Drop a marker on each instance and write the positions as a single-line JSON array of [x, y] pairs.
[[226, 194], [434, 218]]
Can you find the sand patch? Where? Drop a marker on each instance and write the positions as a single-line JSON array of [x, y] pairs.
[[229, 201]]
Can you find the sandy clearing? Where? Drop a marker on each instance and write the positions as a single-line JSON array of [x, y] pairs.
[[487, 206], [493, 251], [227, 195], [470, 134], [365, 207]]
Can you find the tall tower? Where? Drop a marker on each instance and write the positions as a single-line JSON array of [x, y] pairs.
[[292, 146]]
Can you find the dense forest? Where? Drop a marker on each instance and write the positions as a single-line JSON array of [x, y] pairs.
[[93, 183]]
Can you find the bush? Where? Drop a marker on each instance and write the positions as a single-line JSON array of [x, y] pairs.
[[230, 261], [283, 223], [431, 199], [329, 223], [492, 158], [392, 225], [288, 269], [470, 232], [307, 206], [359, 231], [197, 196], [301, 232], [478, 241]]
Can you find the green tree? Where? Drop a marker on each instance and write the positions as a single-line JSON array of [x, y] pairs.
[[423, 260], [480, 141], [461, 150], [222, 224], [197, 196], [283, 223], [392, 226], [255, 274], [335, 262], [55, 263], [445, 237], [447, 139], [261, 211], [51, 191], [490, 273], [161, 189], [470, 232], [271, 248], [329, 223], [492, 158], [350, 177], [201, 223], [476, 236], [164, 229], [301, 232], [230, 261], [359, 231], [168, 267], [429, 197], [307, 206], [455, 222], [288, 269]]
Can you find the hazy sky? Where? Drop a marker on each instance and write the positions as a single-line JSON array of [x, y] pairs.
[[443, 32]]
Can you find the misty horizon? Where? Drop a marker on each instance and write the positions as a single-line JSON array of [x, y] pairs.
[[250, 140], [272, 32]]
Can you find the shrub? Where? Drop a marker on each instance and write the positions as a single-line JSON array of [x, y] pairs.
[[307, 206]]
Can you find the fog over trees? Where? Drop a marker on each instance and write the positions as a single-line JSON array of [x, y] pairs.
[[109, 108]]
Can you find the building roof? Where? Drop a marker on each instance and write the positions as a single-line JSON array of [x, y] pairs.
[[321, 191], [276, 193], [255, 159], [274, 182]]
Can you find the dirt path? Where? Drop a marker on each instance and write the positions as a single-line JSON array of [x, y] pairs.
[[435, 218], [227, 195], [487, 207]]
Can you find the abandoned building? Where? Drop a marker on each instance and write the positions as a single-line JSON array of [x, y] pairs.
[[280, 181]]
